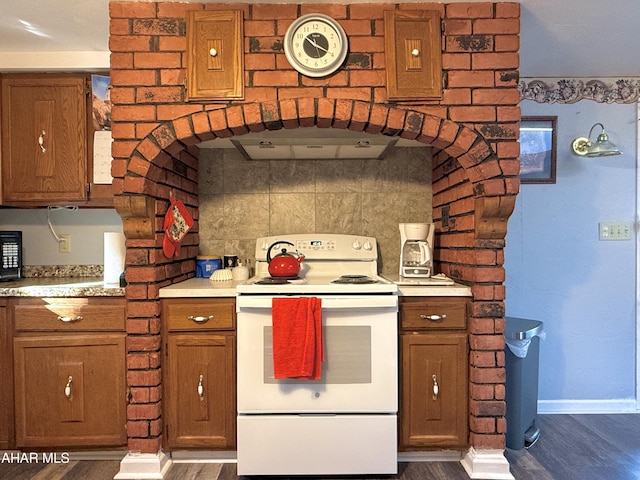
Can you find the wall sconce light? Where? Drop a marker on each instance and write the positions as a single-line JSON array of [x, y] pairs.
[[602, 147]]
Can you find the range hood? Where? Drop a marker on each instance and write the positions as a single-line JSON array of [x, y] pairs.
[[312, 148]]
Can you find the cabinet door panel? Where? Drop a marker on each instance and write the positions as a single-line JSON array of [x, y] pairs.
[[434, 386], [70, 390], [413, 54], [200, 391], [44, 146], [215, 64], [6, 378]]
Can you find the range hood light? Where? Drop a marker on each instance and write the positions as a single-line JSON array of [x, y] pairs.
[[266, 144], [363, 144], [314, 152]]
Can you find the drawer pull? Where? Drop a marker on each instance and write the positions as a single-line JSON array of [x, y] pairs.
[[433, 318], [67, 388], [200, 318], [41, 142], [77, 318], [436, 388], [200, 388]]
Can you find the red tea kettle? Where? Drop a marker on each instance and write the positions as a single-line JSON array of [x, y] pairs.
[[284, 264]]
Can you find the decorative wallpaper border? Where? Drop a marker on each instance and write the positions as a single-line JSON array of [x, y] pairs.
[[571, 90]]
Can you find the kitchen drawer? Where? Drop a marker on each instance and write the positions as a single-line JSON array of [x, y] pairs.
[[69, 314], [199, 314], [433, 313]]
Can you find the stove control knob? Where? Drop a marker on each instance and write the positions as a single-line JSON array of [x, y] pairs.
[[265, 245], [367, 246], [357, 245]]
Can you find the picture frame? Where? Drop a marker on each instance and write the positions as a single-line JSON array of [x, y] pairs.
[[538, 143]]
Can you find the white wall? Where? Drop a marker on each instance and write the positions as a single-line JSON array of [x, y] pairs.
[[86, 227], [559, 272]]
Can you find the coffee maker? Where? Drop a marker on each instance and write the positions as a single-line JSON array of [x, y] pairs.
[[416, 249]]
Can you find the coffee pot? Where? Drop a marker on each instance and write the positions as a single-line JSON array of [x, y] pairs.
[[416, 249]]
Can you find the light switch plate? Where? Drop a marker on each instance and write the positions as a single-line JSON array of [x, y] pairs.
[[615, 231], [64, 245]]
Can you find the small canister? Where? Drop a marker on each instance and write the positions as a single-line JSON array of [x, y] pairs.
[[241, 272], [230, 261], [206, 265]]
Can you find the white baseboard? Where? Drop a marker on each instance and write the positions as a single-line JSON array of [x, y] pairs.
[[144, 466], [624, 405], [486, 464]]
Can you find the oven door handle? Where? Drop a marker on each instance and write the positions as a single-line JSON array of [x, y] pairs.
[[328, 302]]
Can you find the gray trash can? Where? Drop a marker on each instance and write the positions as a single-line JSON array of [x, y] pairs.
[[522, 352]]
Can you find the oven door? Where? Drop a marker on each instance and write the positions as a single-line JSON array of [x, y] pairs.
[[360, 371]]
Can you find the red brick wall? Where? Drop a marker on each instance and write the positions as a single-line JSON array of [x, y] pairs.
[[473, 129]]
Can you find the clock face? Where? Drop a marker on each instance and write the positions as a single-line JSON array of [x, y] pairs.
[[315, 45]]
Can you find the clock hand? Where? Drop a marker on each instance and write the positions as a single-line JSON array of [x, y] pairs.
[[312, 42], [314, 45]]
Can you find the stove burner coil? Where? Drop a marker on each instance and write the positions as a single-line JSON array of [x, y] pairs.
[[355, 279], [275, 280]]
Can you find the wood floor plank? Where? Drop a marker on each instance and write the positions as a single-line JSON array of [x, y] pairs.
[[54, 471], [228, 472], [19, 471], [98, 470], [194, 471], [525, 466]]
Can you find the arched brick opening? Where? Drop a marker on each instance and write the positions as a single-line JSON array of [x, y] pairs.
[[469, 181]]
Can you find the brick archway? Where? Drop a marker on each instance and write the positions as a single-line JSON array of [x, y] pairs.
[[457, 141], [469, 181]]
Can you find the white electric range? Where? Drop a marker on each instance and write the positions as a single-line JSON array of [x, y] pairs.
[[346, 421]]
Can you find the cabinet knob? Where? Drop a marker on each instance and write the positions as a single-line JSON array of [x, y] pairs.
[[77, 318], [436, 388], [433, 318], [200, 318], [213, 52], [200, 388], [415, 52], [67, 388]]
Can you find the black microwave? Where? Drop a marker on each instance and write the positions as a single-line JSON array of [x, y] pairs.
[[11, 250]]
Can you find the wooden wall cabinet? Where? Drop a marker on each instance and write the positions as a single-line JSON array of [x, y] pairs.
[[434, 378], [69, 372], [47, 141], [215, 55], [413, 54], [200, 373]]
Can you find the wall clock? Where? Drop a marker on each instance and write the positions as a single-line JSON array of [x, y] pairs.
[[316, 45]]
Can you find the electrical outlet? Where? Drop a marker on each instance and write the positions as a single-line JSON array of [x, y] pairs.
[[616, 230], [64, 245]]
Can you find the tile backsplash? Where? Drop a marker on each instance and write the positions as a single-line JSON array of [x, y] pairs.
[[242, 199]]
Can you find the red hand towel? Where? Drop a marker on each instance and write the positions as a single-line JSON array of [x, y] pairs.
[[298, 348]]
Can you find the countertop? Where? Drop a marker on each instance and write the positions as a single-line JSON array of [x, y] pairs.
[[200, 287], [203, 287], [60, 287], [193, 287]]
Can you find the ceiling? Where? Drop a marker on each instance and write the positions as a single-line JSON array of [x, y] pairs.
[[569, 38]]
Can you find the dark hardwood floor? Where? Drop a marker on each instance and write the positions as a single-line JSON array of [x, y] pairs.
[[581, 447], [571, 447]]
